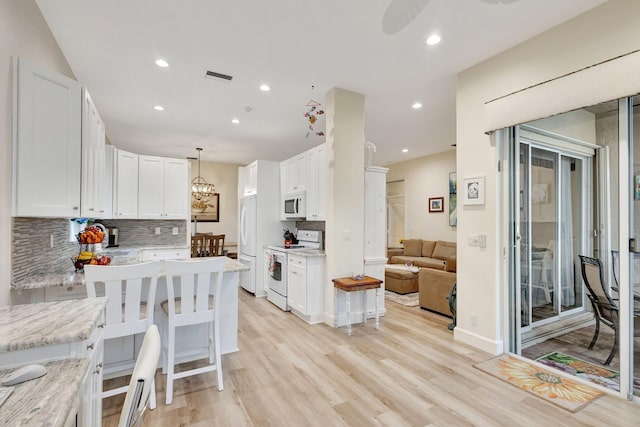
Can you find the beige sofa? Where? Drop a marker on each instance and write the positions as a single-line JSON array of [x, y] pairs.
[[437, 262]]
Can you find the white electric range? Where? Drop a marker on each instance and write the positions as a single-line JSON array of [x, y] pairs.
[[276, 256]]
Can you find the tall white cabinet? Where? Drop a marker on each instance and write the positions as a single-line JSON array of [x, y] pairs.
[[375, 242], [317, 183], [47, 143], [93, 182]]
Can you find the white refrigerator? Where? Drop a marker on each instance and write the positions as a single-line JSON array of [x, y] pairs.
[[259, 220]]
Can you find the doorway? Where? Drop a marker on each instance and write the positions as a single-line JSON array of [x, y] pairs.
[[396, 229]]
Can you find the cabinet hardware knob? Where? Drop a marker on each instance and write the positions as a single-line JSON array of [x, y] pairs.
[[91, 209], [101, 325], [90, 346], [75, 208]]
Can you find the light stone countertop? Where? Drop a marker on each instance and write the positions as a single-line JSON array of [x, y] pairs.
[[48, 323], [69, 280], [308, 252], [45, 401]]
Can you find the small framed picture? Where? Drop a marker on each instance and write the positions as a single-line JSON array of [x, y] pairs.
[[436, 204], [473, 191]]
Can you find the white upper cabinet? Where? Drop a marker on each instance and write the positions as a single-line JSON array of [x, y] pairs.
[[295, 173], [250, 179], [163, 188], [92, 203], [125, 186], [47, 143], [317, 183]]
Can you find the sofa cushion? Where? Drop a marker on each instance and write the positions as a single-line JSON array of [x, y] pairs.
[[451, 264], [413, 247], [427, 247], [443, 250], [418, 261]]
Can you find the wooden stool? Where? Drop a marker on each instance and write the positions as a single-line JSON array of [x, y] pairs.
[[348, 285]]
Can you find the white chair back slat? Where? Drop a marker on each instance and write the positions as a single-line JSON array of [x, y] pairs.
[[187, 286], [133, 300], [202, 292], [113, 292]]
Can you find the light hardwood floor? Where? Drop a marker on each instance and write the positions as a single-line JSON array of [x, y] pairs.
[[410, 372]]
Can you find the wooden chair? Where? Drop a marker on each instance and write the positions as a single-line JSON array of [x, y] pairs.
[[605, 309], [141, 384], [199, 282], [214, 245], [128, 311], [197, 245]]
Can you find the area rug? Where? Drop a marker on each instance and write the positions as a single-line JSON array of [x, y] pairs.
[[562, 392], [589, 371], [410, 300]]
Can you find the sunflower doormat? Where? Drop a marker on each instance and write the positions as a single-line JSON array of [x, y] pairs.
[[589, 371], [560, 391]]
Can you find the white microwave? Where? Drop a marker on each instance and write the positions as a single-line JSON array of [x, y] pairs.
[[294, 206]]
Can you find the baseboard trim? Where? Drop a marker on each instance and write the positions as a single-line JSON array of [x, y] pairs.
[[494, 347]]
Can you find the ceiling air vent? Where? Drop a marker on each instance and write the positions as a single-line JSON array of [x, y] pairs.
[[213, 75]]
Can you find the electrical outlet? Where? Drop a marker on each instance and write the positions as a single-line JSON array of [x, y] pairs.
[[174, 231], [346, 235], [157, 230]]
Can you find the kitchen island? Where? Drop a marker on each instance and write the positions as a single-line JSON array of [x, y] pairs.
[[58, 287]]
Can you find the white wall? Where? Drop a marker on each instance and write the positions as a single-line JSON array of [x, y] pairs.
[[225, 178], [423, 178], [23, 32], [598, 35]]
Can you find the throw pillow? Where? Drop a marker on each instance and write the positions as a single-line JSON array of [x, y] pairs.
[[413, 247], [443, 250], [427, 247]]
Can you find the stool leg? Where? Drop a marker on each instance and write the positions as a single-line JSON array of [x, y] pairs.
[[349, 313], [335, 307], [364, 311], [377, 304]]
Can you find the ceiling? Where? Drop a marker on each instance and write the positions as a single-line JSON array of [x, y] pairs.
[[301, 49]]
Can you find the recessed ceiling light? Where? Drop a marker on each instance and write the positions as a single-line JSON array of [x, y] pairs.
[[433, 39], [405, 150], [162, 63], [265, 88], [158, 108], [235, 121], [416, 105]]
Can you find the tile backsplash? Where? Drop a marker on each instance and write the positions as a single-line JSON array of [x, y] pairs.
[[31, 251]]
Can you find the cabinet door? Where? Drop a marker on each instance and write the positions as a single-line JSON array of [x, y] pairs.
[[47, 150], [317, 185], [150, 187], [92, 195], [176, 189], [297, 289], [251, 184], [296, 173], [126, 186]]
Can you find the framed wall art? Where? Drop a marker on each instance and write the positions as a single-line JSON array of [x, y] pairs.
[[473, 191], [206, 210], [436, 204]]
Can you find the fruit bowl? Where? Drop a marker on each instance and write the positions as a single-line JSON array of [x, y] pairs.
[[80, 261]]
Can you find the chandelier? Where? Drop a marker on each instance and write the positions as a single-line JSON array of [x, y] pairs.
[[200, 189]]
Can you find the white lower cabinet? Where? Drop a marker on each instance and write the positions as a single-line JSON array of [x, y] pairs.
[[90, 411], [305, 282], [157, 254]]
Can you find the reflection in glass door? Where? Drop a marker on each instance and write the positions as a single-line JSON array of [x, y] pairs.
[[551, 227]]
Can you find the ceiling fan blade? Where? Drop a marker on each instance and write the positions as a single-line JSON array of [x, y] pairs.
[[401, 13], [499, 1]]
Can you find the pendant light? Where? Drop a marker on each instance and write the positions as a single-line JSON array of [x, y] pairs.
[[200, 189]]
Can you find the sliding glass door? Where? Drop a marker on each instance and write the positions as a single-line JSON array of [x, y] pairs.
[[552, 231]]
